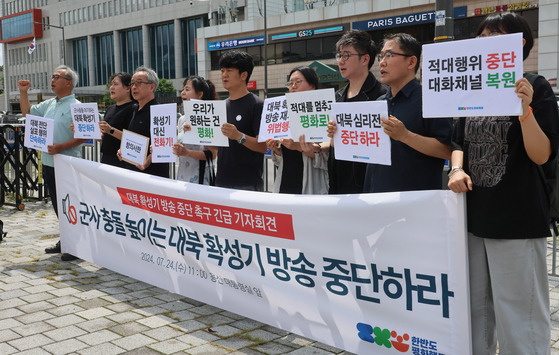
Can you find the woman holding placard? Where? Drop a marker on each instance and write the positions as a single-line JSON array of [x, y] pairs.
[[195, 161], [117, 117], [495, 161], [299, 172]]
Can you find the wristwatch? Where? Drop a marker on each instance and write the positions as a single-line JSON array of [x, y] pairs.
[[242, 140], [112, 130]]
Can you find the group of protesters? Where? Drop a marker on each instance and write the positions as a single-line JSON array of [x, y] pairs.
[[507, 212]]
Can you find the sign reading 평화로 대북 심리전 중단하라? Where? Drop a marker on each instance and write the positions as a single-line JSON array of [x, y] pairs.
[[371, 273], [472, 77]]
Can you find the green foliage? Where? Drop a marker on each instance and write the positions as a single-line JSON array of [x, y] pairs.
[[165, 88], [107, 97]]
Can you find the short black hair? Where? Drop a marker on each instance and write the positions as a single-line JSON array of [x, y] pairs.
[[199, 84], [408, 44], [310, 75], [509, 22], [361, 41], [239, 60], [125, 79]]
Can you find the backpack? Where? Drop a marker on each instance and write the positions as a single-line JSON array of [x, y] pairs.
[[549, 173]]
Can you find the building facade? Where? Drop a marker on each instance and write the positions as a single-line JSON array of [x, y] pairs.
[[179, 38]]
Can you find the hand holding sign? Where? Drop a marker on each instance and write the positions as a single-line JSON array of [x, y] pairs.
[[85, 118]]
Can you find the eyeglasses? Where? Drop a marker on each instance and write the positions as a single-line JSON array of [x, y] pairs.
[[492, 34], [58, 76], [389, 54], [293, 83], [139, 82], [345, 55]]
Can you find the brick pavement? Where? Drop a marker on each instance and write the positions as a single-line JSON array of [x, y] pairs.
[[48, 306]]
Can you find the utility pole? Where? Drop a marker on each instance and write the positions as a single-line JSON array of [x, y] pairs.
[[444, 20]]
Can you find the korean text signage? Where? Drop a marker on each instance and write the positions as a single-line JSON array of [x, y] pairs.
[[390, 279], [504, 8], [236, 43], [39, 132], [163, 132], [205, 119], [359, 136], [309, 113], [404, 20], [275, 121], [306, 33], [86, 120], [472, 77]]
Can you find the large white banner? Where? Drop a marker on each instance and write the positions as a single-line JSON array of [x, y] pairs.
[[372, 273]]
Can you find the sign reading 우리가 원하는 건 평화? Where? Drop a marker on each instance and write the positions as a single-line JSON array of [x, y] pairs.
[[359, 136], [472, 77], [309, 113], [275, 120], [163, 132], [205, 119], [39, 132]]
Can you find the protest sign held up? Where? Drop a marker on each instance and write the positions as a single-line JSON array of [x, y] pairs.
[[309, 113], [39, 132], [205, 118], [86, 121], [275, 121], [472, 77], [163, 132]]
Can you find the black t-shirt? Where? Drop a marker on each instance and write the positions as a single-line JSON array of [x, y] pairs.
[[410, 169], [508, 199], [292, 173], [347, 177], [117, 117], [141, 124], [236, 164]]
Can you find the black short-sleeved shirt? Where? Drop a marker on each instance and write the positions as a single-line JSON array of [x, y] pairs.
[[118, 117], [292, 172], [236, 164], [410, 169], [141, 124], [508, 199], [346, 177]]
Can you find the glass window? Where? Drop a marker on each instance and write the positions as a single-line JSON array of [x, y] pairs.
[[189, 57], [314, 49], [80, 59], [131, 49], [104, 58], [162, 43]]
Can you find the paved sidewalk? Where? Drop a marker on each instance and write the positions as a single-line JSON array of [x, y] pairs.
[[48, 306]]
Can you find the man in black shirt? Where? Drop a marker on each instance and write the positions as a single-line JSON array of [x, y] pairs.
[[239, 166], [144, 83]]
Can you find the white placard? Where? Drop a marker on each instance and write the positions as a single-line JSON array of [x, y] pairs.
[[309, 113], [39, 132], [341, 269], [472, 77], [86, 121], [163, 132], [359, 136], [275, 120], [205, 119], [133, 147]]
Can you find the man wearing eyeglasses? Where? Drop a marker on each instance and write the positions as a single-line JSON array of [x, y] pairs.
[[62, 83], [419, 146], [356, 53], [143, 85]]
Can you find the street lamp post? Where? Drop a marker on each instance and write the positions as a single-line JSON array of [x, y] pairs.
[[63, 39]]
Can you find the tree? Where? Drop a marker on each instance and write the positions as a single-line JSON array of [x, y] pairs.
[[107, 97], [165, 88]]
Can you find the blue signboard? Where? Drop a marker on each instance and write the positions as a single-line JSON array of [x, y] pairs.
[[308, 33], [404, 20], [236, 43]]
